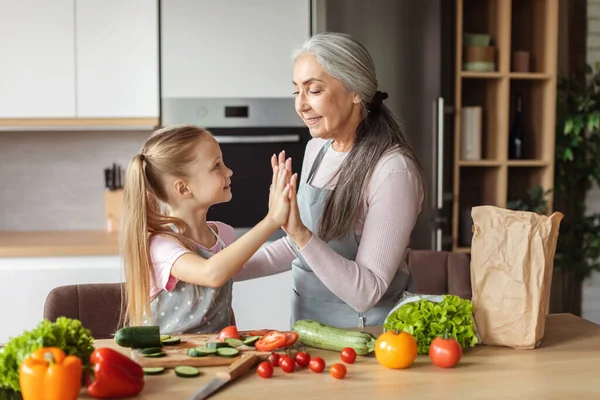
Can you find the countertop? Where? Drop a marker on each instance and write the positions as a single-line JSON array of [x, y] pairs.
[[564, 366], [58, 243]]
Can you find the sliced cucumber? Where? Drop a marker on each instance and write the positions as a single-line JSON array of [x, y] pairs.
[[216, 345], [155, 355], [171, 341], [151, 350], [164, 337], [192, 352], [233, 342], [153, 370], [186, 372], [227, 352], [251, 340], [203, 351]]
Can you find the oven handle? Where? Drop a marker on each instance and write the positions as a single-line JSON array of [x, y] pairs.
[[258, 139]]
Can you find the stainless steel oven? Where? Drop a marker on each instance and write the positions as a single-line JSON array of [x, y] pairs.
[[249, 132]]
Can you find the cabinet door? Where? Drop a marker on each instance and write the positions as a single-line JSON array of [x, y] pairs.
[[37, 67], [117, 58], [230, 48]]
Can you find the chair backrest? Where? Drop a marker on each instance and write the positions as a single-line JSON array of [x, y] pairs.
[[97, 306], [440, 272]]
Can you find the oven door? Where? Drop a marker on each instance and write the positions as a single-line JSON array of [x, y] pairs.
[[248, 151]]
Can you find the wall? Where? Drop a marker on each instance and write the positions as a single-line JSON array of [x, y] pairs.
[[55, 180]]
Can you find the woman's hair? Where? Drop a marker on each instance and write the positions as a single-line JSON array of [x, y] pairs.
[[167, 152], [379, 132]]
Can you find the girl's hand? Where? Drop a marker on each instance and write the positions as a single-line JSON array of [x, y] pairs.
[[279, 195]]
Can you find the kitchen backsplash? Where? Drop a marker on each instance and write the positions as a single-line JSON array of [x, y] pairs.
[[55, 180]]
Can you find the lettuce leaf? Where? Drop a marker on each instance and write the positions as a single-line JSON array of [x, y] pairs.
[[68, 334], [426, 320]]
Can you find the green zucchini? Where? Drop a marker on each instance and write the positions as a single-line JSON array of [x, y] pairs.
[[171, 341], [251, 340], [138, 337], [153, 370], [186, 372], [227, 352], [233, 342], [327, 337]]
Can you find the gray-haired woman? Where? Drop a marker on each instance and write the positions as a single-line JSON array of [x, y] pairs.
[[360, 193]]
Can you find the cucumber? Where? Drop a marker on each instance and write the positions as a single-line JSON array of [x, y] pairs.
[[227, 352], [249, 341], [164, 337], [193, 352], [138, 337], [151, 350], [171, 341], [155, 355], [203, 351], [233, 342], [153, 370], [186, 372], [327, 337], [216, 345]]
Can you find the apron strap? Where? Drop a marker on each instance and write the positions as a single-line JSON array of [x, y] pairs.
[[218, 237], [318, 160]]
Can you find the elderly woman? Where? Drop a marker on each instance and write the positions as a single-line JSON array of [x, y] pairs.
[[361, 190]]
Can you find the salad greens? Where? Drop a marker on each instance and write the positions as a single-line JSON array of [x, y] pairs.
[[67, 334], [426, 320]]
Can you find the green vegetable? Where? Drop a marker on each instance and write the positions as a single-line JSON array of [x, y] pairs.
[[323, 336], [186, 372], [426, 320], [227, 352], [67, 334], [153, 370], [138, 336]]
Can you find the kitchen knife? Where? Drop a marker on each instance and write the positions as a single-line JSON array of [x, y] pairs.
[[238, 368]]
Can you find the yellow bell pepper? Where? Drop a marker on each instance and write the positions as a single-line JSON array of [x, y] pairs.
[[48, 374]]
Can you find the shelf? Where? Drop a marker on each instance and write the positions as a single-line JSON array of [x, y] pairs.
[[521, 179], [527, 163], [531, 31], [481, 75], [529, 75], [479, 163]]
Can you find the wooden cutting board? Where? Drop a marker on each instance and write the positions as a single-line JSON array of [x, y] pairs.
[[177, 354]]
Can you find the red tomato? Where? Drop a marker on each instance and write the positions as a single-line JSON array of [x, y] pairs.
[[348, 355], [229, 332], [259, 332], [287, 364], [302, 358], [317, 364], [271, 341], [444, 352], [273, 359], [265, 369], [338, 371], [291, 338]]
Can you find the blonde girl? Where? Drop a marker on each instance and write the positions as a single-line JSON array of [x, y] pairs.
[[179, 267]]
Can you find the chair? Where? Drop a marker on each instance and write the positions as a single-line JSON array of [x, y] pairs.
[[97, 306], [440, 272]]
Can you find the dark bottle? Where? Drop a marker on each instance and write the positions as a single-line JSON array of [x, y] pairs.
[[517, 130]]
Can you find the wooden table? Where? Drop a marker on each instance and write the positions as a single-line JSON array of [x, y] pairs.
[[565, 366]]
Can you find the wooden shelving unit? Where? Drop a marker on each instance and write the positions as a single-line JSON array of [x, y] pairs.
[[526, 25]]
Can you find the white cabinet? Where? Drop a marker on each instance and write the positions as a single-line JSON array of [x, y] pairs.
[[230, 48], [37, 66], [117, 58]]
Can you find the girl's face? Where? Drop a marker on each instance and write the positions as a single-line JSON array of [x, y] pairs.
[[210, 179], [322, 102]]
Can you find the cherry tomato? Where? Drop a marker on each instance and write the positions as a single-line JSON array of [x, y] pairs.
[[265, 369], [302, 358], [271, 341], [317, 364], [287, 364], [348, 355], [338, 371], [273, 359], [229, 332], [445, 352], [290, 338]]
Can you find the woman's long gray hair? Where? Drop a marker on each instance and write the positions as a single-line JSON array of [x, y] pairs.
[[379, 132]]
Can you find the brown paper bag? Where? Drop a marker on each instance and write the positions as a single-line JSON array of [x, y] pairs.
[[512, 258]]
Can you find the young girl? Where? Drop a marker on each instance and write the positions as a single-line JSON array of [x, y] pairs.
[[178, 266]]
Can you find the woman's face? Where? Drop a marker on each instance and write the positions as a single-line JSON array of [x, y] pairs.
[[325, 106]]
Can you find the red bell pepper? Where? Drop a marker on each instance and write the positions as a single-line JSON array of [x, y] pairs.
[[115, 375]]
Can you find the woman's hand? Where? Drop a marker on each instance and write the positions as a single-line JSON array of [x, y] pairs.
[[294, 227], [279, 195]]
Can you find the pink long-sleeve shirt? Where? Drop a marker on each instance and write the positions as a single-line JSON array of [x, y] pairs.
[[391, 204]]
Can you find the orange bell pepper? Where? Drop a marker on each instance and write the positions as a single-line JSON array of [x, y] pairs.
[[49, 374]]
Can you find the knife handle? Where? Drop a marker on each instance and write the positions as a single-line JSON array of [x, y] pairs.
[[241, 366]]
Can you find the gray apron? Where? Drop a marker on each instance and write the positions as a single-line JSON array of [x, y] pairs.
[[190, 308], [311, 299]]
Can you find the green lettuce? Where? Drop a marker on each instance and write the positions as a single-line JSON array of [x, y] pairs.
[[68, 334], [426, 320]]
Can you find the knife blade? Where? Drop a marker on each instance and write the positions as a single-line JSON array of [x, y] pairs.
[[238, 368]]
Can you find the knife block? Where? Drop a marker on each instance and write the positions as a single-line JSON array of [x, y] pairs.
[[113, 209]]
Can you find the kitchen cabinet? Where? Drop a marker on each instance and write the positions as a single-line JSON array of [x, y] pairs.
[[230, 48], [38, 59], [117, 58]]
